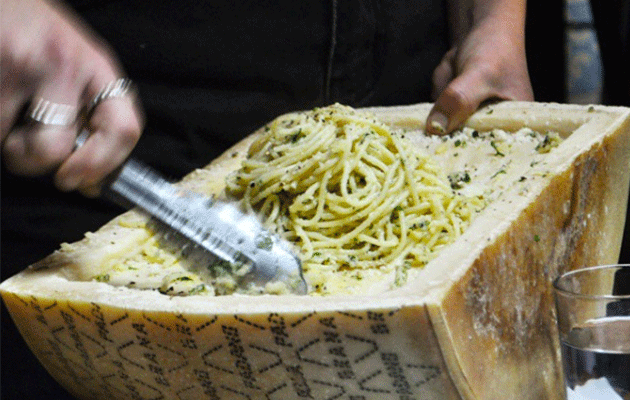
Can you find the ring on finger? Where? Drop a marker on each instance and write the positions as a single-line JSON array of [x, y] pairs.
[[47, 112], [118, 88], [115, 89]]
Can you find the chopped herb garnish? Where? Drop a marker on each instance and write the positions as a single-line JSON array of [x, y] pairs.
[[197, 289], [501, 171], [551, 140], [264, 243], [102, 278], [496, 149], [457, 179], [420, 225]]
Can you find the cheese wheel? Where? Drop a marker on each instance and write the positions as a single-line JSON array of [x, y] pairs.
[[476, 322]]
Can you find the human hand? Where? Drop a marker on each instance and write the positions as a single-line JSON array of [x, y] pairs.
[[47, 54], [489, 64]]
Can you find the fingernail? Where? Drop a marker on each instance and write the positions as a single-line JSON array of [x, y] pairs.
[[438, 124]]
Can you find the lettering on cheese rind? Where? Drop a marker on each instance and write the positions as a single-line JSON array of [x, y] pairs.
[[396, 372], [99, 321], [207, 383], [298, 381], [335, 390], [103, 352], [278, 327], [276, 360], [77, 343], [429, 372], [336, 349], [39, 315], [240, 360]]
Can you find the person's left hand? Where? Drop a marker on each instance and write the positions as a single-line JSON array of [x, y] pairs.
[[489, 64]]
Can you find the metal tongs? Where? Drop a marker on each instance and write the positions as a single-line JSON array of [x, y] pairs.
[[218, 227]]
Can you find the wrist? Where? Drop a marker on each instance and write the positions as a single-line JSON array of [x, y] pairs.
[[506, 16]]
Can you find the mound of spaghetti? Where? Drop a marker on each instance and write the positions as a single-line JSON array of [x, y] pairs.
[[354, 195]]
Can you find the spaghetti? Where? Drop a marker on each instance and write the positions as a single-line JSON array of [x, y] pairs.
[[351, 193]]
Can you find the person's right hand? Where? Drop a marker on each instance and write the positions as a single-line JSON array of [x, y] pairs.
[[47, 53]]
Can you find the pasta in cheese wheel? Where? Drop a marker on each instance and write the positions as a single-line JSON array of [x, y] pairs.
[[352, 192], [524, 192]]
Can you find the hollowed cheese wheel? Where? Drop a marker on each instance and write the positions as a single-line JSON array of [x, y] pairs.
[[476, 323]]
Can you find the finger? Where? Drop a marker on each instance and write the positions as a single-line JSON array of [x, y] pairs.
[[115, 124], [9, 112], [28, 153], [443, 73], [458, 101], [39, 144], [13, 101]]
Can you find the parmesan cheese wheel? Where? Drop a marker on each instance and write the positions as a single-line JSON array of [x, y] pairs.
[[476, 322]]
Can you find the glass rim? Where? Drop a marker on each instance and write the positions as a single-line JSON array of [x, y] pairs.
[[558, 289]]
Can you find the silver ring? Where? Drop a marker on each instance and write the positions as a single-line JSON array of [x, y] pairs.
[[48, 113], [118, 88]]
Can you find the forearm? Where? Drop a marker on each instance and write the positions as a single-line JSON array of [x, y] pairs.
[[511, 9], [507, 15]]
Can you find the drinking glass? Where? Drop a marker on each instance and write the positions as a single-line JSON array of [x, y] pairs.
[[593, 312]]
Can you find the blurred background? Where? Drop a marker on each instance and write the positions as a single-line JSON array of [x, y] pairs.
[[579, 53]]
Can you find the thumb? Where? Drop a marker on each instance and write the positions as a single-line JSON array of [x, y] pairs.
[[458, 101]]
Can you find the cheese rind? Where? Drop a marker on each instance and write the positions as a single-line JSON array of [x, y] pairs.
[[475, 323]]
